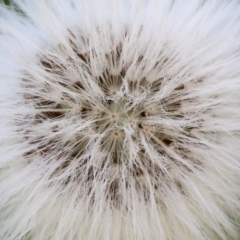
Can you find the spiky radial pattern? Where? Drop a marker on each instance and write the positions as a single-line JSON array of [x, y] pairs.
[[120, 120]]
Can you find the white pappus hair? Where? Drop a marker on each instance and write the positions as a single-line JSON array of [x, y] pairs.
[[120, 120]]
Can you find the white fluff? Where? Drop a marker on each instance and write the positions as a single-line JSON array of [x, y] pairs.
[[120, 120]]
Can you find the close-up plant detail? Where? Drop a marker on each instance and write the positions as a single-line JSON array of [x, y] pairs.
[[120, 120]]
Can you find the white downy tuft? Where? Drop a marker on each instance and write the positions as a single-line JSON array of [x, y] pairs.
[[120, 120]]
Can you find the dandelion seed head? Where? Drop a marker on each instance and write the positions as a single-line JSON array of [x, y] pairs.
[[121, 123]]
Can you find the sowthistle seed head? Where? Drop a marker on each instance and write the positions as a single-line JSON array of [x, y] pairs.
[[120, 120]]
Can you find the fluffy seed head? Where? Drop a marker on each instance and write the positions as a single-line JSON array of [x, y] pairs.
[[120, 120]]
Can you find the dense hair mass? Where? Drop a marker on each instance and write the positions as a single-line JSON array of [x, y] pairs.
[[120, 120]]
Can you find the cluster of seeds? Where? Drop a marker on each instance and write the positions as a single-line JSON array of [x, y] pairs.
[[124, 136]]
